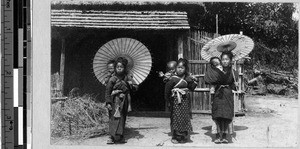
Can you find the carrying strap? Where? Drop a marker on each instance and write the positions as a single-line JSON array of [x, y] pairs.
[[177, 91], [179, 81]]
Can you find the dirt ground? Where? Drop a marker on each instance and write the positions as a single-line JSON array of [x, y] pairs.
[[271, 121]]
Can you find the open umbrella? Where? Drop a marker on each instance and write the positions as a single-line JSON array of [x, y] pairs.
[[137, 54], [239, 45]]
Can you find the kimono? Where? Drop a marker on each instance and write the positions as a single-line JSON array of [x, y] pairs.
[[176, 92], [223, 100], [168, 76], [107, 77], [213, 75], [119, 103]]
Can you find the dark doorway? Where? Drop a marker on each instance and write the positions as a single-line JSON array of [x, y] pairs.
[[150, 96], [81, 46]]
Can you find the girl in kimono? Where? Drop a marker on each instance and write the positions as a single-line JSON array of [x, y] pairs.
[[176, 92], [222, 101], [116, 96]]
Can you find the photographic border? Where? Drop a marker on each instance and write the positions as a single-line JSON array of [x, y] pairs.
[[41, 53]]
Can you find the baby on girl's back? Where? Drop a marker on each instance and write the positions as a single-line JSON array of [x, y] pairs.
[[171, 66], [213, 73]]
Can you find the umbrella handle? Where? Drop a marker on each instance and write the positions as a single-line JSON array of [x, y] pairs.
[[234, 78]]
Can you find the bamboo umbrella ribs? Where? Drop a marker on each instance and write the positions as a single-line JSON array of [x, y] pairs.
[[137, 54], [239, 45]]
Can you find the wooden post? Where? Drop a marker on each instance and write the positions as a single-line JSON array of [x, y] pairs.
[[62, 66], [217, 28], [180, 46], [240, 71]]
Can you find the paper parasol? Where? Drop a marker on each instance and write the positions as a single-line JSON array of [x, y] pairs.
[[137, 54], [239, 45]]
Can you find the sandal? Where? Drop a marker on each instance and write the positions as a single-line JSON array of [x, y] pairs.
[[121, 140], [110, 141], [217, 141], [182, 141], [224, 139], [174, 141]]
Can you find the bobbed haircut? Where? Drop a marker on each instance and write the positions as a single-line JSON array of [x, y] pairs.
[[185, 63]]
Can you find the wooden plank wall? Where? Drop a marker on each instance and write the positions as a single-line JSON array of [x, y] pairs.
[[201, 100]]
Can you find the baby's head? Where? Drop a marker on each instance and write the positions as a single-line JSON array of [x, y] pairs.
[[110, 66], [171, 66], [216, 62]]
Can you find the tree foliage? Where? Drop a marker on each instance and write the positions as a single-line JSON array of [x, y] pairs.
[[270, 25]]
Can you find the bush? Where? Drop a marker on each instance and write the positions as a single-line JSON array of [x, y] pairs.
[[78, 117], [281, 59]]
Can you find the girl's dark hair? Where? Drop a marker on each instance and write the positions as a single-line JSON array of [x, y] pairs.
[[111, 62], [228, 53], [185, 63], [123, 61]]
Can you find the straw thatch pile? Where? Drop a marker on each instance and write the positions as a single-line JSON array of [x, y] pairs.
[[127, 5], [78, 117]]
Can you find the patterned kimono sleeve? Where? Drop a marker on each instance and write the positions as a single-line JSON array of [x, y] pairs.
[[109, 89]]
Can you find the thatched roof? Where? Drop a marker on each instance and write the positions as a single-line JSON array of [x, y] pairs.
[[120, 19], [191, 8], [124, 5], [124, 2]]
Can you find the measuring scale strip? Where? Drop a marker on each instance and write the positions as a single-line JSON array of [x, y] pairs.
[[7, 110], [14, 49]]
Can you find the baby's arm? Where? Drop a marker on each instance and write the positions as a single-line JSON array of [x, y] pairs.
[[167, 77]]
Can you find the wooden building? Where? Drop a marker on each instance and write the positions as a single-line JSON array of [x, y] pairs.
[[80, 28]]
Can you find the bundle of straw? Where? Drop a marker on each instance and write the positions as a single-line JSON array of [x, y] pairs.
[[79, 117]]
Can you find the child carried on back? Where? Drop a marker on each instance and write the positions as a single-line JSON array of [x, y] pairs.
[[171, 66], [214, 73], [110, 71]]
